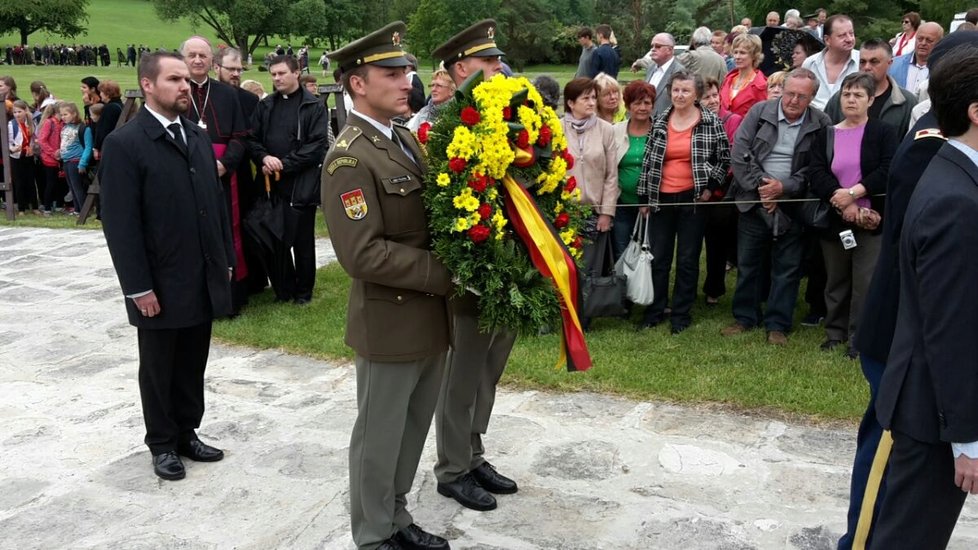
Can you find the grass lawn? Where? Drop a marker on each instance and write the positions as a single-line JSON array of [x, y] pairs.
[[698, 366]]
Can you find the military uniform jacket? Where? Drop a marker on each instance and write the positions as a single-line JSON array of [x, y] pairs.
[[166, 223], [371, 194]]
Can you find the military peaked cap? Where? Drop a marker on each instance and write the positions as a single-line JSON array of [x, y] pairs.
[[479, 40], [381, 47]]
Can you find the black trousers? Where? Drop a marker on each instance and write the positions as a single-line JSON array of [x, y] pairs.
[[171, 383], [922, 503], [25, 190], [721, 247], [294, 278]]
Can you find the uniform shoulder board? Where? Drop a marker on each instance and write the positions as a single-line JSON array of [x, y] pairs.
[[929, 133], [347, 137]]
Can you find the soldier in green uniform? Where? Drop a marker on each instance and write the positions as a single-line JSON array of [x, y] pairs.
[[397, 319], [477, 359]]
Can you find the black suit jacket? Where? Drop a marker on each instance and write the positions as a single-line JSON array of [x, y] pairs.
[[878, 321], [930, 387], [165, 222]]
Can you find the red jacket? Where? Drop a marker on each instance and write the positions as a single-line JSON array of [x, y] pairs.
[[754, 93], [49, 137]]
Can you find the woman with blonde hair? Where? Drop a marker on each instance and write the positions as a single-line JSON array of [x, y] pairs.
[[775, 84], [745, 85], [442, 90], [611, 107]]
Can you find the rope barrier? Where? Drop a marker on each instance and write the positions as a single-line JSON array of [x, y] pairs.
[[721, 202]]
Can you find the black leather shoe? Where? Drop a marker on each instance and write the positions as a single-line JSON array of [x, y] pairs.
[[302, 301], [468, 493], [389, 544], [413, 537], [169, 466], [493, 481], [198, 451]]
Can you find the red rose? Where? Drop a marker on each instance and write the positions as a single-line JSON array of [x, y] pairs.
[[561, 220], [478, 183], [479, 233], [423, 132], [569, 158], [523, 139], [456, 165], [546, 134], [485, 211], [470, 116], [578, 242], [571, 184], [507, 113]]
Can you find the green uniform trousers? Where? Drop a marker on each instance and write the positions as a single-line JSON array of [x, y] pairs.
[[395, 402], [468, 391]]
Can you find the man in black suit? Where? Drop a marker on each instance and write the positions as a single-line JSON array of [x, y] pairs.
[[929, 393], [167, 229]]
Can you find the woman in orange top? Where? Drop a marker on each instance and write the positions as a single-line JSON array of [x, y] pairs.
[[686, 160], [745, 85]]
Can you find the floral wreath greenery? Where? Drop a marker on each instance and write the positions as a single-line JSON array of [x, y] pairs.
[[495, 128]]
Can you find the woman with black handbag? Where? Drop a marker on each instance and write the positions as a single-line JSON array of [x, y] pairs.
[[591, 141], [850, 166]]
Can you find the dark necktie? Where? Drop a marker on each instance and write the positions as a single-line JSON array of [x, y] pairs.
[[178, 135], [397, 141]]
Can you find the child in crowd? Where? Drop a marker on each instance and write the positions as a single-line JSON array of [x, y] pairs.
[[21, 132], [49, 139], [76, 152]]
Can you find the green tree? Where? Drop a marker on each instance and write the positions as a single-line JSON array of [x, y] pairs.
[[243, 23], [61, 17], [528, 29], [435, 21]]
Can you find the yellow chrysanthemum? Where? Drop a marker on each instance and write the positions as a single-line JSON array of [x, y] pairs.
[[567, 236], [463, 144], [443, 180], [461, 224]]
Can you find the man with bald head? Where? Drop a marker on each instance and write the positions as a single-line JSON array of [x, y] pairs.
[[216, 110], [911, 70], [659, 74]]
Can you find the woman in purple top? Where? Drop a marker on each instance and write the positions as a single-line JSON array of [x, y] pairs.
[[850, 165]]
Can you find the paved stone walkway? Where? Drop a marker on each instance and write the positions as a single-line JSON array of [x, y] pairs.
[[595, 472]]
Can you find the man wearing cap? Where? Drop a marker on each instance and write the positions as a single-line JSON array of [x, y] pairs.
[[397, 318], [477, 359]]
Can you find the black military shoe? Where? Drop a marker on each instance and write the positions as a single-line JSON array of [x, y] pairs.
[[199, 451], [468, 493], [389, 544], [493, 481], [413, 537], [169, 466]]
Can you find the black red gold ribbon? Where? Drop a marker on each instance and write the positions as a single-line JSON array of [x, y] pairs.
[[554, 262]]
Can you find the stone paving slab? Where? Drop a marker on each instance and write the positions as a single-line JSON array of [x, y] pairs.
[[595, 472]]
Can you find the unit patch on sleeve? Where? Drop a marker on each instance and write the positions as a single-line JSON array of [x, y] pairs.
[[341, 161], [355, 204]]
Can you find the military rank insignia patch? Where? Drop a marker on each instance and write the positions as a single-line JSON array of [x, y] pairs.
[[354, 204]]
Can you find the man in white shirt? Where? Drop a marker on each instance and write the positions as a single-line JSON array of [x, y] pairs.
[[838, 60], [910, 71], [659, 74]]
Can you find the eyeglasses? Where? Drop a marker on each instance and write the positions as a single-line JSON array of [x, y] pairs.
[[232, 69], [657, 46], [438, 85], [906, 21], [792, 96]]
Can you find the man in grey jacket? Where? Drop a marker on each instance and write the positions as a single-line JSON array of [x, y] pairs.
[[770, 159], [891, 104]]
